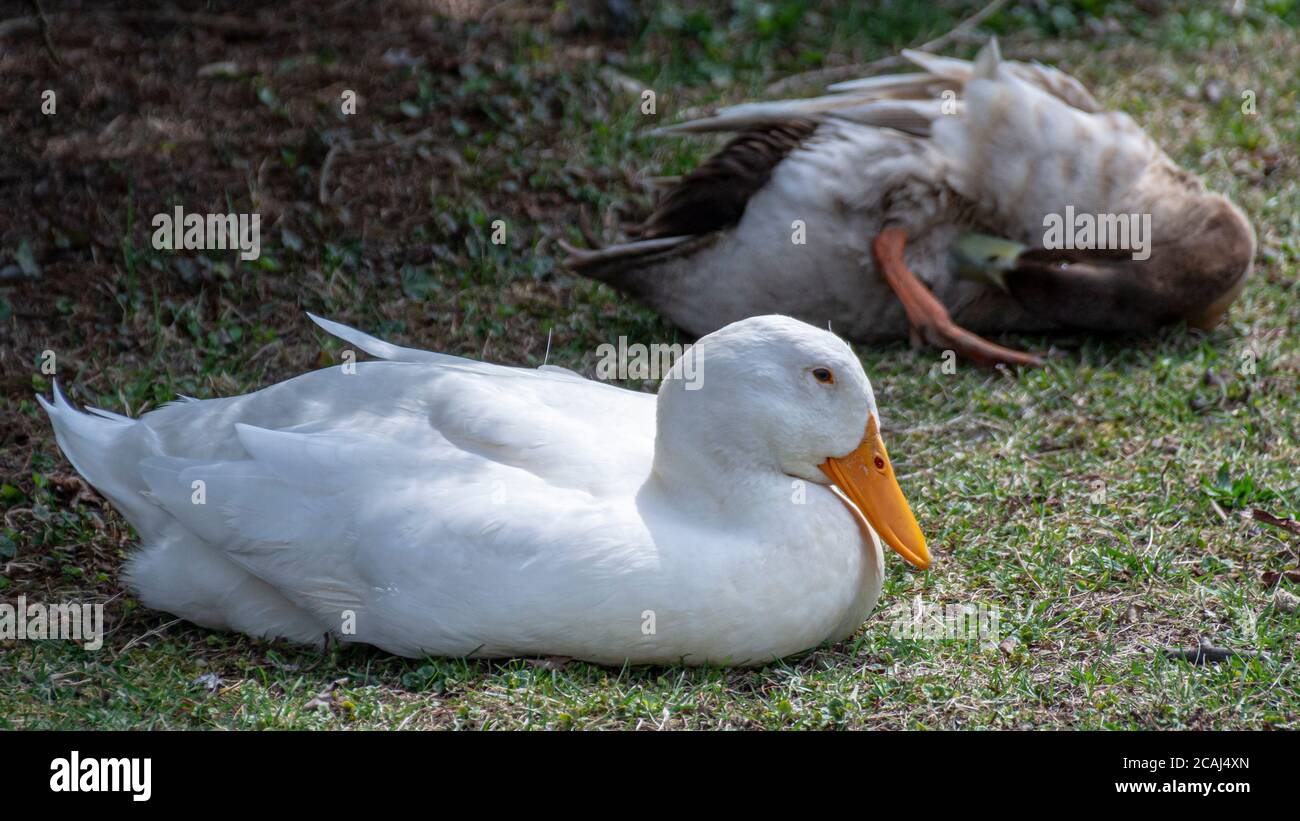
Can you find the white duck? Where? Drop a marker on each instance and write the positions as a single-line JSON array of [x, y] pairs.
[[429, 504]]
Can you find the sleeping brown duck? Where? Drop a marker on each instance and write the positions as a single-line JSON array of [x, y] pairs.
[[963, 199]]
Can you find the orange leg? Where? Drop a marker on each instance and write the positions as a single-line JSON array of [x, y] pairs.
[[929, 319]]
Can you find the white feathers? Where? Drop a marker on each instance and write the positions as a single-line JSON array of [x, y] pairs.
[[381, 349], [986, 62], [432, 504]]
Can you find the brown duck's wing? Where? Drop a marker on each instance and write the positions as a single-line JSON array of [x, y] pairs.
[[714, 195], [941, 73], [1051, 80]]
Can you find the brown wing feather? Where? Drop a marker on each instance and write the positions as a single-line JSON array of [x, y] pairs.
[[714, 195]]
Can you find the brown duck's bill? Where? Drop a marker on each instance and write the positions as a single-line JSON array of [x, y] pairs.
[[867, 478]]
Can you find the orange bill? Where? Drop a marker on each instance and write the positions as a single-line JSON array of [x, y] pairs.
[[867, 479]]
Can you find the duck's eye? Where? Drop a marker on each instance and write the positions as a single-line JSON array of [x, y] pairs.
[[824, 376]]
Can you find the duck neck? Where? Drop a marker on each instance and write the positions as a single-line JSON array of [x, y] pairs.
[[707, 458]]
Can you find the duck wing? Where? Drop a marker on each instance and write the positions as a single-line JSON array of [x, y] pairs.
[[1020, 139], [873, 99], [714, 195], [391, 486], [942, 73]]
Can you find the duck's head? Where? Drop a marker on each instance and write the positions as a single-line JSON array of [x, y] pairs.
[[1197, 254], [774, 395]]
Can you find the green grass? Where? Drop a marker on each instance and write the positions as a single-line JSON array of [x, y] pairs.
[[1096, 502]]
